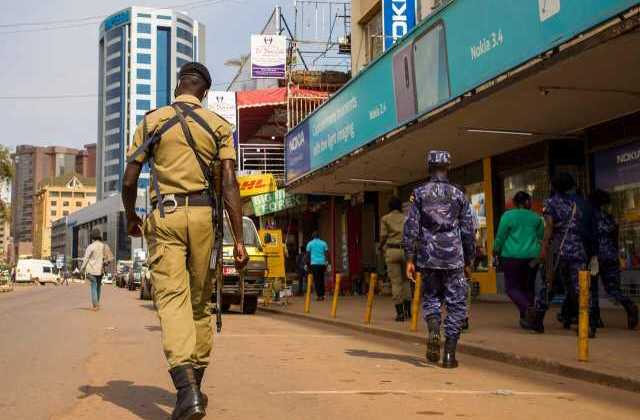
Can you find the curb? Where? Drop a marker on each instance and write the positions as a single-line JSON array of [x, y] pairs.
[[528, 362]]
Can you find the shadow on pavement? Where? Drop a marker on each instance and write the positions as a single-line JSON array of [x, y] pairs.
[[141, 400], [153, 328], [412, 360]]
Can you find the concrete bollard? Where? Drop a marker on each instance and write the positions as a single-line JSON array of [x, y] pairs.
[[307, 296], [415, 304], [583, 318], [373, 280], [336, 293]]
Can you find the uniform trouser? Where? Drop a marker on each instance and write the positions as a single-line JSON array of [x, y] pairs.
[[450, 287], [180, 246], [400, 289], [610, 278]]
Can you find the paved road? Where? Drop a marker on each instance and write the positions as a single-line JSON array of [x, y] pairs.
[[62, 361]]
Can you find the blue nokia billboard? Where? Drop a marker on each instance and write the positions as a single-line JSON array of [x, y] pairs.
[[399, 17]]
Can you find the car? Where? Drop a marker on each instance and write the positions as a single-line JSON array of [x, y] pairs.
[[32, 270], [122, 274], [135, 274], [107, 279], [254, 279]]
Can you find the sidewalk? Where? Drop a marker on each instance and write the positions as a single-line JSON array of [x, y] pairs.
[[495, 335]]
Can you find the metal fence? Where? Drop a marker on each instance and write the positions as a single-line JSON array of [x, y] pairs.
[[266, 158]]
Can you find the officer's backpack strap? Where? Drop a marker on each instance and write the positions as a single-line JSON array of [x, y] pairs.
[[188, 110], [206, 172]]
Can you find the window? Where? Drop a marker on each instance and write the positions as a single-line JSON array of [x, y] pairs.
[[65, 204], [112, 170], [143, 104], [113, 109], [113, 139], [163, 66], [143, 89], [144, 58], [113, 93], [143, 74], [54, 194], [113, 78], [67, 194], [184, 49], [113, 63], [184, 22], [111, 186], [431, 69], [144, 28], [114, 48], [144, 15], [181, 62], [46, 269], [184, 34], [139, 119], [374, 37], [54, 203], [143, 43], [78, 203], [54, 213], [65, 213], [111, 124], [532, 181], [91, 194], [112, 154], [164, 17]]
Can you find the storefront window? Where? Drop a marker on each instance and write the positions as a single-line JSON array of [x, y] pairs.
[[533, 181], [475, 194]]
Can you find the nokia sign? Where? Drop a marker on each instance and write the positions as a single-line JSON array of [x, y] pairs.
[[399, 17]]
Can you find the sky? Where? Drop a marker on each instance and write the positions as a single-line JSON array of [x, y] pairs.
[[65, 61]]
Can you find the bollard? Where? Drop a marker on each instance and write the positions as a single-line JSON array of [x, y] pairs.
[[583, 319], [415, 305], [373, 279], [307, 297], [336, 292]]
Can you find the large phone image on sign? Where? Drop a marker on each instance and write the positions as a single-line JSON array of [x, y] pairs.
[[404, 84]]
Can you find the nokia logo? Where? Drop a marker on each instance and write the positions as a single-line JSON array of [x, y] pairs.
[[399, 19], [296, 142]]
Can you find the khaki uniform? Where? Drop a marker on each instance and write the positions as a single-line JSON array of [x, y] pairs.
[[391, 229], [180, 244]]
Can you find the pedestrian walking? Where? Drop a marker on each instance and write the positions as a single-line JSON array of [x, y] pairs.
[[391, 231], [301, 268], [568, 245], [439, 241], [184, 144], [317, 259], [518, 244], [96, 257], [608, 262]]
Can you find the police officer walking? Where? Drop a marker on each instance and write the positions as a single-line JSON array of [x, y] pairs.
[[439, 241], [391, 228], [179, 142]]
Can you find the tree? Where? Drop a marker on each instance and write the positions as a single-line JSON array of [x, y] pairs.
[[6, 171]]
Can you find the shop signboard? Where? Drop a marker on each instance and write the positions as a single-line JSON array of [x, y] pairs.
[[398, 19], [116, 20], [268, 56], [617, 167], [275, 201], [223, 103], [441, 59], [251, 185], [297, 152]]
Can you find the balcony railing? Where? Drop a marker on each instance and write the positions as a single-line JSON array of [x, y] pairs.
[[267, 158]]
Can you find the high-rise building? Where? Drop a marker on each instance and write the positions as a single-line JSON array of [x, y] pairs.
[[140, 53], [32, 164]]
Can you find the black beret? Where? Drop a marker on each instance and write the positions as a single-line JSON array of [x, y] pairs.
[[195, 69]]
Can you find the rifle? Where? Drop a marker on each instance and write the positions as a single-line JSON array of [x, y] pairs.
[[216, 255]]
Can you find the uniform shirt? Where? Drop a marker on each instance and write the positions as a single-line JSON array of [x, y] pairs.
[[177, 168], [439, 229], [607, 229], [578, 243], [317, 249], [93, 258], [391, 227], [519, 234]]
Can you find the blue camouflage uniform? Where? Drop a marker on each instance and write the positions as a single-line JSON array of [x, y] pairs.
[[607, 234], [439, 238], [572, 244]]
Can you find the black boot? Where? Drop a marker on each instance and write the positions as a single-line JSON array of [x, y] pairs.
[[632, 314], [433, 340], [399, 312], [538, 322], [449, 359], [189, 404], [199, 375], [465, 324], [407, 309]]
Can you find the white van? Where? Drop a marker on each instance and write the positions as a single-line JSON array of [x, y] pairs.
[[42, 271]]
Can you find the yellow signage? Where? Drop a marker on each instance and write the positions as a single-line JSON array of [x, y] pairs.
[[251, 185]]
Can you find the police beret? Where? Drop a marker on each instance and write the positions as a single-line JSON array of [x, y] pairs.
[[196, 69], [438, 157]]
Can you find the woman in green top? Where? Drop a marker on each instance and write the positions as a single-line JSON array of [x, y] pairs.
[[518, 243]]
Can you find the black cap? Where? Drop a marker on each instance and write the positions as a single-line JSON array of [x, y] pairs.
[[195, 69]]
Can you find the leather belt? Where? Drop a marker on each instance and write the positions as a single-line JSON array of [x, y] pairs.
[[196, 199], [394, 246]]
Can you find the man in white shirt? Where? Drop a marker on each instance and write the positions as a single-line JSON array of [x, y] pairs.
[[95, 257]]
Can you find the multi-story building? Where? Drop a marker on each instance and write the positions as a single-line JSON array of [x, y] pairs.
[[32, 164], [56, 198], [59, 246], [140, 53]]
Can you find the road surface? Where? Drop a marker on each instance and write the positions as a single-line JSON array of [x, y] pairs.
[[59, 360]]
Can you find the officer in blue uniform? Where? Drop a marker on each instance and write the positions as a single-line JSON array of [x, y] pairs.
[[439, 241], [569, 244], [608, 251]]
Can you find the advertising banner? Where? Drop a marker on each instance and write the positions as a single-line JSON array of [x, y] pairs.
[[268, 56], [398, 17], [275, 202], [617, 167], [224, 104], [297, 152], [251, 185]]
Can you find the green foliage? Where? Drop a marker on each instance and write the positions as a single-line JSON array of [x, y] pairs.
[[6, 167]]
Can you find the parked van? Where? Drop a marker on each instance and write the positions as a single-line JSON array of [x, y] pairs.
[[42, 271]]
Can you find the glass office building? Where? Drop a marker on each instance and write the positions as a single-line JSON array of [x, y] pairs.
[[141, 51]]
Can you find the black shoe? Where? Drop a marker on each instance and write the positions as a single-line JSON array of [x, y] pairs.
[[399, 313], [189, 404], [538, 322], [632, 315], [525, 325], [407, 309], [465, 324], [433, 341], [449, 359], [592, 332], [199, 375]]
